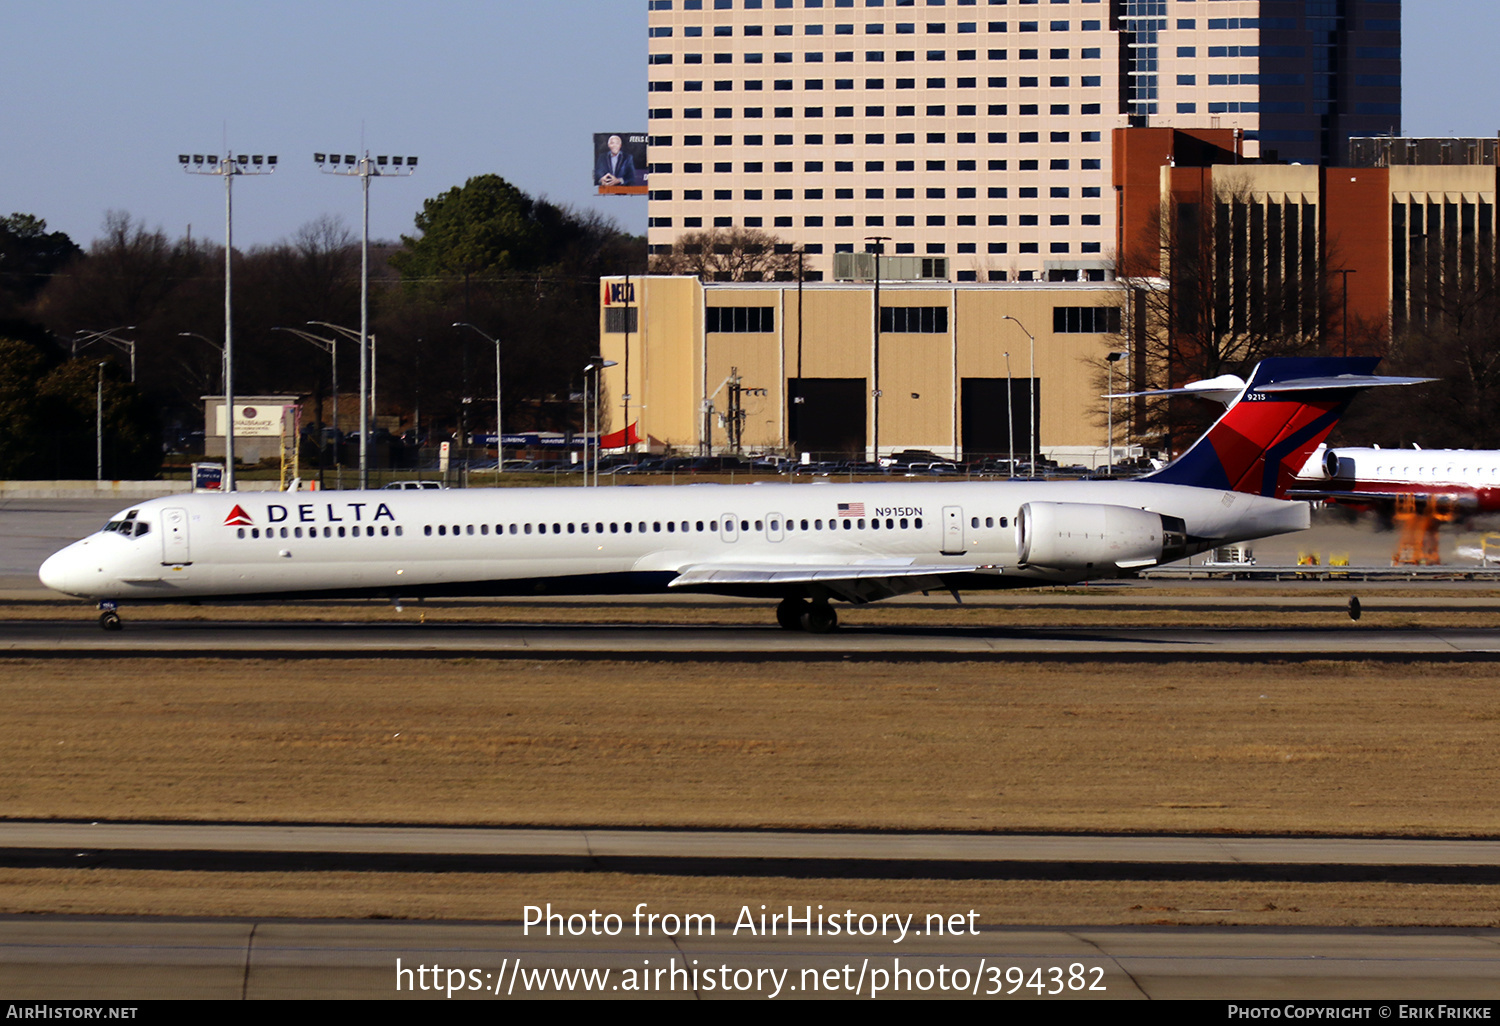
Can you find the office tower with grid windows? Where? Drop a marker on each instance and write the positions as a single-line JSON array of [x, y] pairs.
[[978, 132]]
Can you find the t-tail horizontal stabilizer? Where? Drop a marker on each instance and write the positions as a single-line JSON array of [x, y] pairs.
[[1282, 414]]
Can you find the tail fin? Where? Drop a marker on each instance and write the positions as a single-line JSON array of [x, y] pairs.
[[1286, 410]]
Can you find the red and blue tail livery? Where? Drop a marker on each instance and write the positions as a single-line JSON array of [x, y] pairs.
[[1282, 414]]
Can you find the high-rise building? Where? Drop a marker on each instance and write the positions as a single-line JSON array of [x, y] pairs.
[[977, 132]]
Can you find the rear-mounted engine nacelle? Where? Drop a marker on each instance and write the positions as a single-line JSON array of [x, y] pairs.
[[1087, 536]]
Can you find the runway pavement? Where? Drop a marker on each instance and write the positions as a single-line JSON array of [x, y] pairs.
[[129, 959], [292, 848], [811, 951], [83, 638]]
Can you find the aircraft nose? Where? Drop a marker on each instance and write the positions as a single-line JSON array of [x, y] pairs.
[[62, 571]]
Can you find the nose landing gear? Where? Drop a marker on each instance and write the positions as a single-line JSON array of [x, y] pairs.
[[109, 616]]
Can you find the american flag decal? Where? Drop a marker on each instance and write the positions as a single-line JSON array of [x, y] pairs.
[[851, 509]]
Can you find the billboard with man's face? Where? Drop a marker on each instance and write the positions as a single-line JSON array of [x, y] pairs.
[[620, 163]]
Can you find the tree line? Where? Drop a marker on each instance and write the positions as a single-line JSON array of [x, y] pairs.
[[522, 269]]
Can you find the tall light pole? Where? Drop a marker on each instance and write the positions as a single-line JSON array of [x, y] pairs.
[[499, 435], [228, 169], [364, 169], [108, 335], [1031, 425], [878, 242], [1111, 360], [99, 427]]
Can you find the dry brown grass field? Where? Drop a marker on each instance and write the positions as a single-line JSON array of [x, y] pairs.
[[1318, 747], [1310, 748]]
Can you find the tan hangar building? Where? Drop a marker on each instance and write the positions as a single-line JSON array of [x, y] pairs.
[[796, 370]]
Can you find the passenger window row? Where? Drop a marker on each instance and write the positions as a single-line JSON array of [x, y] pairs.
[[669, 527], [989, 521], [384, 531]]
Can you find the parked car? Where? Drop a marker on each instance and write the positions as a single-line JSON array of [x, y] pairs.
[[909, 456]]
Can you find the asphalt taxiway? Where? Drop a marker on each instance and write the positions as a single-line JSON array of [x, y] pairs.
[[732, 853], [130, 959], [197, 639]]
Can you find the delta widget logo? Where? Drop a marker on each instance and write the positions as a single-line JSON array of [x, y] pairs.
[[238, 518]]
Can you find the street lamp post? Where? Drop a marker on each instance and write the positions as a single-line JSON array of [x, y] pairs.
[[108, 335], [217, 348], [1111, 360], [99, 427], [366, 390], [1010, 417], [228, 168], [499, 434], [878, 241], [364, 169], [598, 364], [331, 347], [1031, 425]]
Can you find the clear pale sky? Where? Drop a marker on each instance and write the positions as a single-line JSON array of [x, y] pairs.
[[98, 97]]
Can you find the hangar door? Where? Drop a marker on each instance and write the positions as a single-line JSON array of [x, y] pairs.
[[983, 417], [828, 415]]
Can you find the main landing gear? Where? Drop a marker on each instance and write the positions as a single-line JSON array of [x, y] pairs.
[[816, 617], [109, 616]]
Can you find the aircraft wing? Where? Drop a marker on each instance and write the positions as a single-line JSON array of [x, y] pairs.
[[855, 582]]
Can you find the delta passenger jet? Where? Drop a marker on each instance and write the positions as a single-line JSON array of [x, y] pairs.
[[804, 544]]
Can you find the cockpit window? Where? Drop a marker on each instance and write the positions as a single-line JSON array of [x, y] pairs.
[[128, 526]]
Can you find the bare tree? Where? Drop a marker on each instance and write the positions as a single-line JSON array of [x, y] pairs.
[[738, 254], [1214, 286], [1449, 329]]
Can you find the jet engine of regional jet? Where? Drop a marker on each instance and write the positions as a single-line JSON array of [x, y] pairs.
[[1084, 536]]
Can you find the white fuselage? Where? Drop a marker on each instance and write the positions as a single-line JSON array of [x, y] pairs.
[[406, 544], [1470, 475]]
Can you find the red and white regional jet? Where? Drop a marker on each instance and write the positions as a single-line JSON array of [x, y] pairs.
[[1461, 480]]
